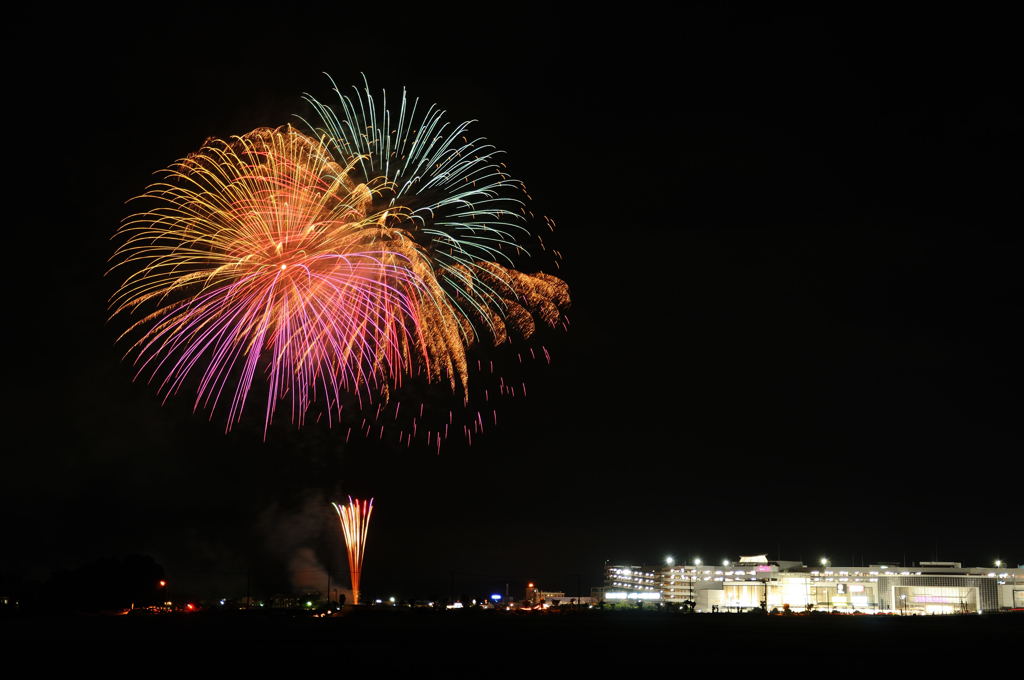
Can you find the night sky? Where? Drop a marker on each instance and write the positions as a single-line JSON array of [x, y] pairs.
[[793, 248]]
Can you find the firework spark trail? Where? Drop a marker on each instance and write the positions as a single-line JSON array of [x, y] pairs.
[[355, 523], [459, 203], [328, 264]]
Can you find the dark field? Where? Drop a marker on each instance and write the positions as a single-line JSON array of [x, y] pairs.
[[617, 639]]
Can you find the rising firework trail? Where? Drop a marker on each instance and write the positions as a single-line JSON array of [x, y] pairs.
[[329, 265], [355, 523]]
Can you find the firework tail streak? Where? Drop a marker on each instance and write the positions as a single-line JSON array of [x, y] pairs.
[[355, 523]]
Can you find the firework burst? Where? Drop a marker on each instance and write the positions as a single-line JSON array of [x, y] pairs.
[[457, 202], [327, 264]]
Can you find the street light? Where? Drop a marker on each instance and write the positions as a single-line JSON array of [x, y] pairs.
[[999, 563], [725, 563], [669, 561], [903, 604]]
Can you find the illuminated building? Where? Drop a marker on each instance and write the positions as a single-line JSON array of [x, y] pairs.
[[536, 597], [633, 582], [754, 581], [573, 601]]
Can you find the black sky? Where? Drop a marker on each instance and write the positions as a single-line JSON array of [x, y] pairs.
[[793, 247]]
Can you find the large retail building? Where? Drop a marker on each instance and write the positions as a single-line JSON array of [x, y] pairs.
[[755, 581]]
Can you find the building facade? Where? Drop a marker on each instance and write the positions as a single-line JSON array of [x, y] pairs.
[[756, 582]]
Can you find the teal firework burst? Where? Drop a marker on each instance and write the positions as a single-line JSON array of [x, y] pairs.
[[451, 190]]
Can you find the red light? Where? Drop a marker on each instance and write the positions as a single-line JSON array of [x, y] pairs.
[[163, 584], [191, 607]]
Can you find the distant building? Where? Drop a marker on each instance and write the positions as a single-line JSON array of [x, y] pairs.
[[755, 581], [303, 601], [544, 598], [633, 582], [548, 594], [563, 601]]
